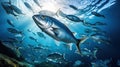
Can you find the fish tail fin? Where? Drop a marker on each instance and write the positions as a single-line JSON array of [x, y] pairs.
[[78, 51], [80, 41]]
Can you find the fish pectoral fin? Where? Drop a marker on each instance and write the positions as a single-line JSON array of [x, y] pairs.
[[55, 31]]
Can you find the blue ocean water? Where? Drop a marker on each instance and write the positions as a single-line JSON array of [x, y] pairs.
[[34, 45]]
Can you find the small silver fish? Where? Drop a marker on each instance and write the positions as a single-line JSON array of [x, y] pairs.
[[10, 23], [37, 2], [69, 17], [101, 40], [29, 6], [41, 35], [32, 38], [97, 14], [8, 9], [16, 9], [14, 31], [56, 58]]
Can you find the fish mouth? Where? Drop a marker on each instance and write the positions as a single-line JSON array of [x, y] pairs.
[[40, 23], [35, 17], [37, 20]]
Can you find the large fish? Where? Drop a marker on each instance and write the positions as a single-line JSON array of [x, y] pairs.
[[57, 30]]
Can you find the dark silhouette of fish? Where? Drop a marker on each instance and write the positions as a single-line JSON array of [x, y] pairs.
[[14, 31], [16, 9], [97, 14], [73, 7], [41, 35], [70, 17], [11, 9], [37, 2], [34, 39], [74, 18], [56, 58], [10, 23], [8, 9], [28, 6]]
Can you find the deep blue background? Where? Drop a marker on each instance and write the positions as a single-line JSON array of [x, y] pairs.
[[114, 30]]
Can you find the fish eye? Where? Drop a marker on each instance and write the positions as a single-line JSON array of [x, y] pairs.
[[43, 17]]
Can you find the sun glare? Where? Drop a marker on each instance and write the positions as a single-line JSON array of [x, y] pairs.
[[51, 6]]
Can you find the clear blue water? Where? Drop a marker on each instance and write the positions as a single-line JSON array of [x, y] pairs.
[[23, 22]]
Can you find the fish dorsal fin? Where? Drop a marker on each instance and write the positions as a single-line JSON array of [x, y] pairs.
[[59, 12]]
